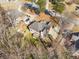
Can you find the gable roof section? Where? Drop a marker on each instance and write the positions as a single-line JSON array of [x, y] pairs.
[[43, 17], [39, 26], [34, 26]]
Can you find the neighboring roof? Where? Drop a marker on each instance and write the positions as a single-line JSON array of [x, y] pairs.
[[74, 19], [70, 8]]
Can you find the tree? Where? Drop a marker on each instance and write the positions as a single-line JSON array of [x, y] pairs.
[[41, 4], [58, 5], [56, 1]]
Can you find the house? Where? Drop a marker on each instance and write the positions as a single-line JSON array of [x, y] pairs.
[[37, 28], [75, 38]]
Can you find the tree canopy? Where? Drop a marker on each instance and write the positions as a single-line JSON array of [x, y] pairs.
[[56, 1], [58, 5], [41, 4]]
